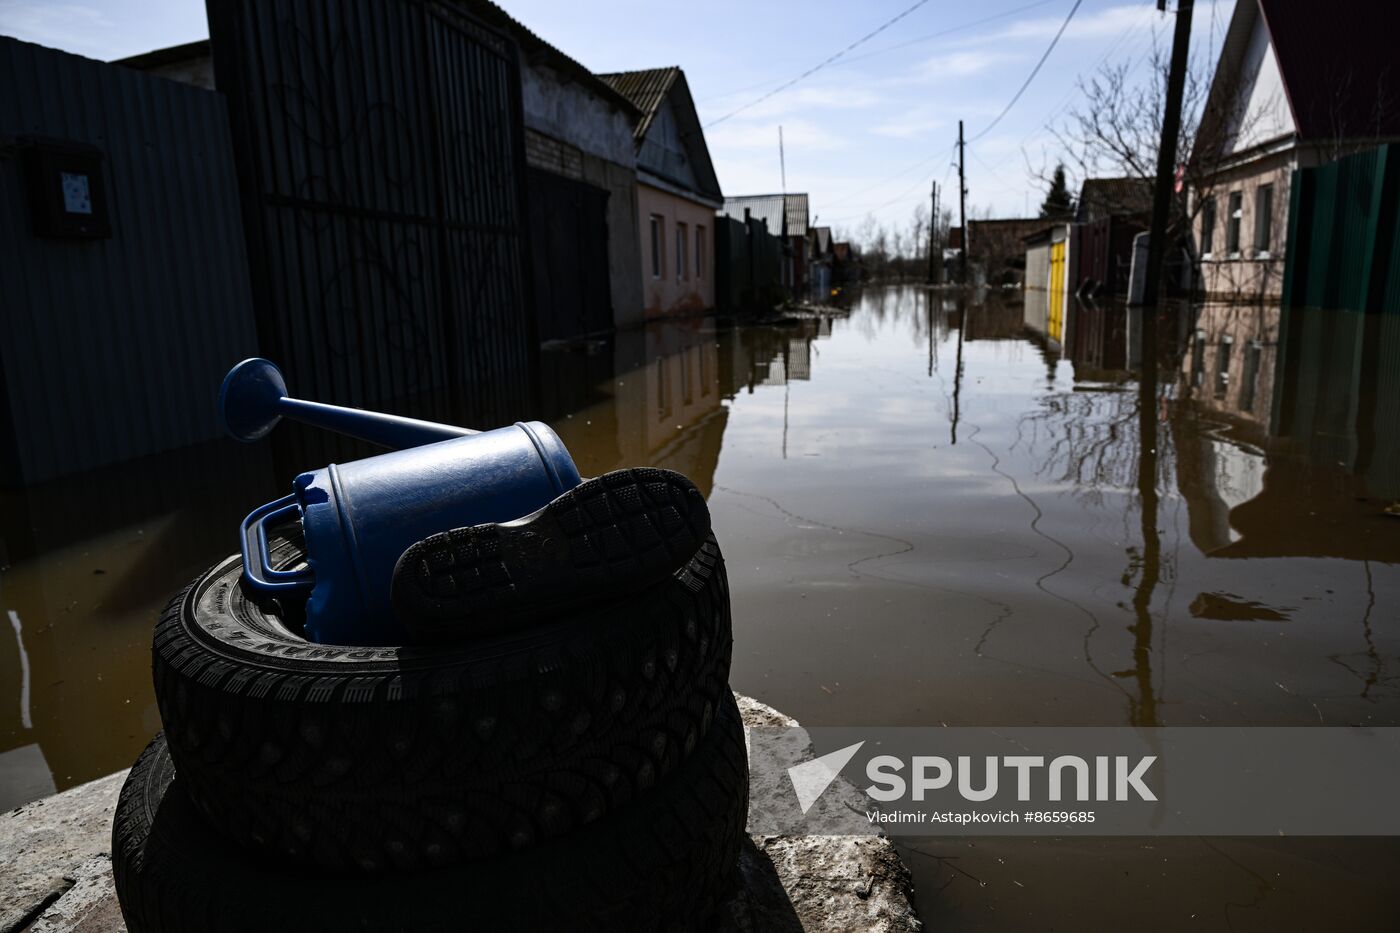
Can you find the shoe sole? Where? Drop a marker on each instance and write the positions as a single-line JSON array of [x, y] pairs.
[[606, 537]]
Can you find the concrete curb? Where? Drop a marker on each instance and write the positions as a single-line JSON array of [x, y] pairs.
[[56, 864]]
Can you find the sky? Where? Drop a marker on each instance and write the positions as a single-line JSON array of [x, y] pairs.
[[866, 134]]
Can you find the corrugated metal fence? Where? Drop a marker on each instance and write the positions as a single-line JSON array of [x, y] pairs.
[[748, 265], [1344, 234], [113, 348], [381, 159]]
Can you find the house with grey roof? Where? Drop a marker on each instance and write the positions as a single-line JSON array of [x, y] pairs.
[[1110, 213], [787, 218], [677, 192]]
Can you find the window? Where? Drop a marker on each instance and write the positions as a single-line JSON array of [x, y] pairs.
[[656, 241], [1232, 224], [663, 387], [699, 252], [1207, 228], [1249, 384], [682, 251], [1222, 367], [1263, 218]]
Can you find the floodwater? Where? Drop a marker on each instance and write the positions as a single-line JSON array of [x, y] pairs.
[[934, 510]]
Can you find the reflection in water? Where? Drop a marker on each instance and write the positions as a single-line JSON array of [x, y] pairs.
[[934, 510]]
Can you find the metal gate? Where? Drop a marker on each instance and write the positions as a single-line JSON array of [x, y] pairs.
[[380, 154], [569, 240]]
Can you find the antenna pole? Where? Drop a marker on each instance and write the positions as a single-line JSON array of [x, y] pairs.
[[782, 160]]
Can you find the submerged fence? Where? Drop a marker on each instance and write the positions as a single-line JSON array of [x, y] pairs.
[[748, 265], [1344, 234]]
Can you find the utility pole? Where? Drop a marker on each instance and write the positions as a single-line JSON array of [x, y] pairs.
[[1166, 161], [962, 205], [1161, 208], [932, 226]]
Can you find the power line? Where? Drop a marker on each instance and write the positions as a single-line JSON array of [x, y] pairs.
[[920, 182], [820, 65], [899, 45], [1065, 102], [1007, 109], [1035, 71], [881, 183], [945, 32]]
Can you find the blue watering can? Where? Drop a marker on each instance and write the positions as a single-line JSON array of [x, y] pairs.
[[359, 517]]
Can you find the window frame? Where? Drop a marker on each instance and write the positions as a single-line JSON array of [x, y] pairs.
[[1208, 228], [658, 246], [1263, 220], [1234, 224], [682, 249]]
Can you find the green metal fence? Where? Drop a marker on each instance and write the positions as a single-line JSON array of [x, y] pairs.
[[1344, 234]]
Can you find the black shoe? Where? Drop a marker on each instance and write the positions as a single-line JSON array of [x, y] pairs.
[[604, 538]]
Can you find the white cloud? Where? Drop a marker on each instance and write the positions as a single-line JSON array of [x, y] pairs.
[[1107, 23], [910, 123], [962, 64], [798, 134], [798, 100]]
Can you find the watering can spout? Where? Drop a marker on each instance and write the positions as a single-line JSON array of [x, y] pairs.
[[254, 398]]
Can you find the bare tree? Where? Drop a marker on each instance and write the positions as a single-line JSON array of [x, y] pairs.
[[1116, 128], [918, 232]]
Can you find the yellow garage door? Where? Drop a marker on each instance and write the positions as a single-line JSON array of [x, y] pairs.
[[1056, 328]]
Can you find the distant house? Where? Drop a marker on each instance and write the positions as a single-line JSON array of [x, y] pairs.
[[996, 248], [1293, 89], [189, 64], [846, 265], [822, 259], [787, 218], [1102, 198], [1110, 213], [677, 191]]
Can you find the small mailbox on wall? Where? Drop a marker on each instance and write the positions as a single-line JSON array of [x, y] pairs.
[[67, 195]]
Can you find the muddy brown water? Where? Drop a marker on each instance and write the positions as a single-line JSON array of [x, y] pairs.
[[933, 511]]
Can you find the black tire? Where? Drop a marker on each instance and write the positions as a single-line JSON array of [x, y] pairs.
[[667, 864], [400, 759]]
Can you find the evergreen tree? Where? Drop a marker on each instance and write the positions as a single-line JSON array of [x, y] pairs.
[[1058, 201]]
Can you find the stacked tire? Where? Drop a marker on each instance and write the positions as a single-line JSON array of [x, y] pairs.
[[586, 773]]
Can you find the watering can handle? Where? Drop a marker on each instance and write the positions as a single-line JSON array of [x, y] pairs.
[[253, 398], [257, 566]]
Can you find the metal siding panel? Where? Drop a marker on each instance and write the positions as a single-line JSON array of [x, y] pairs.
[[1344, 237], [111, 346], [376, 221]]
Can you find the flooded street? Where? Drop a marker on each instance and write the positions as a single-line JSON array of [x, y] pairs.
[[932, 513]]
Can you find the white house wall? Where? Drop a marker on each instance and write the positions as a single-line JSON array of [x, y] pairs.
[[1262, 112], [565, 110], [664, 152]]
